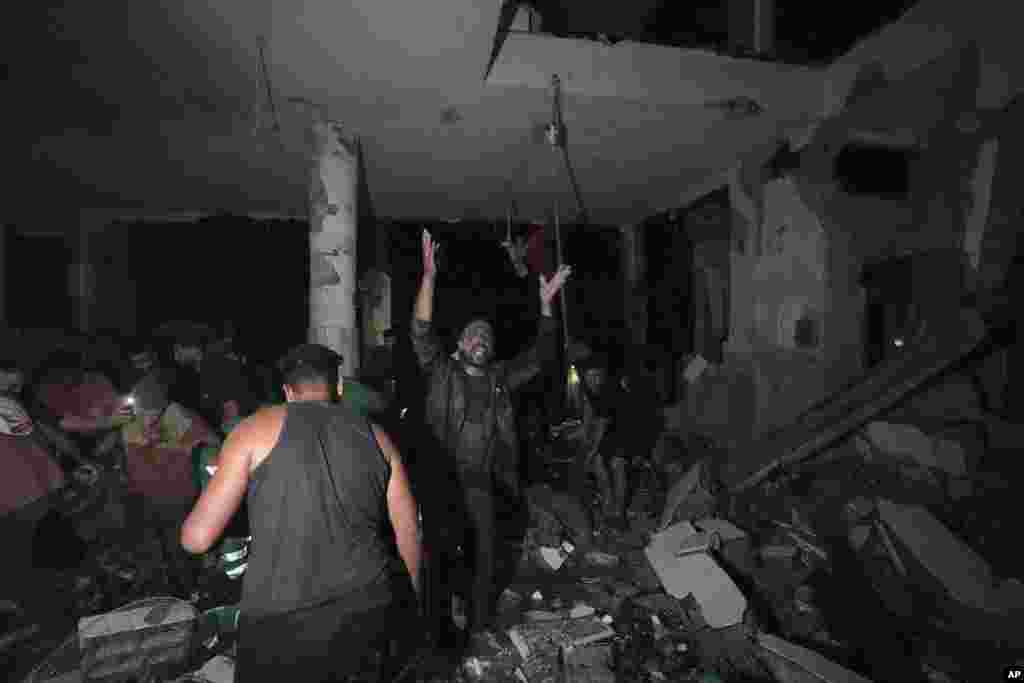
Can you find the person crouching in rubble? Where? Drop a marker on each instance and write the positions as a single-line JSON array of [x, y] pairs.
[[323, 592], [470, 412], [158, 442], [601, 450]]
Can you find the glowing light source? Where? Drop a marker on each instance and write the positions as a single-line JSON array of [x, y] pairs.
[[898, 343]]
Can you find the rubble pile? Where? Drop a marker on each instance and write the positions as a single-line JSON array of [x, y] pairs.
[[869, 561], [882, 556]]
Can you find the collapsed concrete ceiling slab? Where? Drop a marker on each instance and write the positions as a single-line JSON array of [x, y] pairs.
[[205, 105]]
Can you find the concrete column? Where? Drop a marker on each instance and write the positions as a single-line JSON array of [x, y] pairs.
[[634, 280], [333, 222]]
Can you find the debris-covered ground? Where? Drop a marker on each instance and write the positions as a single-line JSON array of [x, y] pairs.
[[889, 556]]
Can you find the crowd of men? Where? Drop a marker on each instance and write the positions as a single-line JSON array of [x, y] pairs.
[[315, 492]]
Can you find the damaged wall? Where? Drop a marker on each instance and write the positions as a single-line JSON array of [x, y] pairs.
[[777, 345], [780, 296]]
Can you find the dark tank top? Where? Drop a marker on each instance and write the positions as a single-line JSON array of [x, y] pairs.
[[318, 515]]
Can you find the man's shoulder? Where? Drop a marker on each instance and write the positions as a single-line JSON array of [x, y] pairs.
[[267, 419]]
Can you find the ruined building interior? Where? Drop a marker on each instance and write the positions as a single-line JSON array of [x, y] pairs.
[[795, 228]]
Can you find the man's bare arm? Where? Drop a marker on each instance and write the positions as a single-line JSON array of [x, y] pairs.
[[425, 297], [425, 343], [402, 508], [223, 495], [531, 360]]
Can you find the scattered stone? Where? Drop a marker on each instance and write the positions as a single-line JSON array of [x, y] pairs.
[[581, 610], [697, 574], [598, 559]]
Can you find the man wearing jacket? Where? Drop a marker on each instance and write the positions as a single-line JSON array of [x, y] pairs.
[[469, 410]]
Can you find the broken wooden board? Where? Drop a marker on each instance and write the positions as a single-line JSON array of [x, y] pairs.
[[721, 602]]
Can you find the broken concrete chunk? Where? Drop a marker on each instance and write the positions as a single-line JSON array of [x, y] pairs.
[[907, 442], [581, 610], [695, 368], [598, 559], [721, 602], [220, 669], [541, 615], [552, 558], [964, 574]]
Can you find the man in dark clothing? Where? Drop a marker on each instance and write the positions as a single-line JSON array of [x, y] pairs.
[[469, 410], [322, 592], [599, 448]]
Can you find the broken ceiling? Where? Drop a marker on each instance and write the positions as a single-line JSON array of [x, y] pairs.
[[189, 106]]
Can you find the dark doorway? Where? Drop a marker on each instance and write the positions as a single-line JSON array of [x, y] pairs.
[[37, 285]]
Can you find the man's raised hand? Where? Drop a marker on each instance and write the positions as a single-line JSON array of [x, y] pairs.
[[430, 248], [548, 288]]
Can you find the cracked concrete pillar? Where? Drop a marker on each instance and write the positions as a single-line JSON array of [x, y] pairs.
[[332, 242]]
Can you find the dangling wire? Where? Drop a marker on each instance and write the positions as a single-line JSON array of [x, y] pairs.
[[556, 134], [265, 77]]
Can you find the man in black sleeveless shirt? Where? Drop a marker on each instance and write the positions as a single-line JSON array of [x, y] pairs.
[[324, 591]]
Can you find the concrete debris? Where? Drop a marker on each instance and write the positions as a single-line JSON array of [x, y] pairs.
[[552, 558], [220, 669], [907, 442], [581, 610], [558, 517], [688, 498], [964, 574], [695, 368], [722, 604], [587, 665], [800, 665], [541, 615], [700, 542], [726, 530], [596, 558], [152, 636], [807, 546]]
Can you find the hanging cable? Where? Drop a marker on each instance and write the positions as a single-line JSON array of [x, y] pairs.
[[556, 134]]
